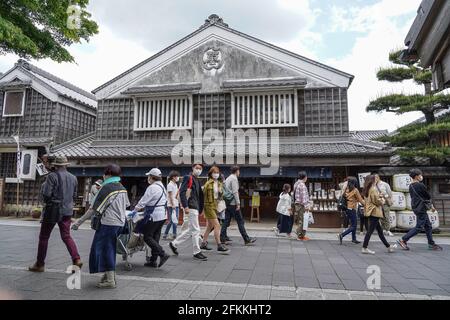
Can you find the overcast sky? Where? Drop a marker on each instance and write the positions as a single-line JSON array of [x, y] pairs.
[[354, 36]]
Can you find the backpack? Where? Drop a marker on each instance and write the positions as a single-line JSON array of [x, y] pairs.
[[227, 195]]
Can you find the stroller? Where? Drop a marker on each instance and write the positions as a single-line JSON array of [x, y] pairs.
[[130, 243]]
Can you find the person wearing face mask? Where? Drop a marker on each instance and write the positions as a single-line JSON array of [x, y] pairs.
[[421, 203], [213, 195], [153, 203], [172, 204], [234, 209], [191, 197]]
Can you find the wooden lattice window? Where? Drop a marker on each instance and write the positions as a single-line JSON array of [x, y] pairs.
[[14, 103], [163, 113], [264, 110]]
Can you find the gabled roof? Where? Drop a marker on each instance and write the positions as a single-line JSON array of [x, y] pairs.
[[369, 135], [49, 81], [221, 30]]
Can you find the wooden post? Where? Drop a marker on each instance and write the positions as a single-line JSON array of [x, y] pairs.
[[2, 191]]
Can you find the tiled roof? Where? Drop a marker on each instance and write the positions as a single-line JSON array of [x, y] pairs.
[[58, 85], [84, 147], [173, 87], [368, 135], [26, 141], [260, 83]]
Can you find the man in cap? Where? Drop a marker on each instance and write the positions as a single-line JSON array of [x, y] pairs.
[[154, 205], [191, 196], [61, 185]]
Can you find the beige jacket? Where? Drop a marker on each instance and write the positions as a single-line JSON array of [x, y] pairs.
[[373, 204]]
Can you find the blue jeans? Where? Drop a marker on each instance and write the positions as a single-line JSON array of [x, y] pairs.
[[171, 224], [423, 222], [351, 214], [231, 212]]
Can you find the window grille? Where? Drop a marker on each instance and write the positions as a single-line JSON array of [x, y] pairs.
[[13, 103], [265, 110], [163, 113]]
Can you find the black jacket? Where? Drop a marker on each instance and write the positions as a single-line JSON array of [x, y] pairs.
[[419, 193], [196, 200]]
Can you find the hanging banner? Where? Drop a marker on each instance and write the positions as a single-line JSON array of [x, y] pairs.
[[362, 177]]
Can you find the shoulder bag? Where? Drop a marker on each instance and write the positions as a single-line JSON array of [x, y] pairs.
[[427, 203], [52, 212]]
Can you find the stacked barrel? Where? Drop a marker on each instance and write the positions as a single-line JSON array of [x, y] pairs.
[[401, 216]]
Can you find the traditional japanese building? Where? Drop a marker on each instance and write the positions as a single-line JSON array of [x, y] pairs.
[[40, 110], [227, 80]]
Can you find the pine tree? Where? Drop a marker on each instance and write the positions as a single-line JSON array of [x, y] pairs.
[[417, 139]]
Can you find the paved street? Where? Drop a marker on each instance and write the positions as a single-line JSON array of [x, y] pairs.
[[275, 268]]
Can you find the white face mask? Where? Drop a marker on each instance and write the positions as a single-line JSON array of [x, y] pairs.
[[177, 179], [420, 178], [197, 172], [215, 176]]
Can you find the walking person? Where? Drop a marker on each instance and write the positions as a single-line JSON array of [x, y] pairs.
[[172, 204], [154, 205], [59, 189], [285, 215], [353, 197], [191, 197], [214, 203], [420, 203], [386, 192], [234, 209], [111, 203], [301, 204], [373, 203]]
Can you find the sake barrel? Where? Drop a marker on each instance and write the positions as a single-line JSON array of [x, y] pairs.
[[406, 220], [398, 201], [401, 182], [393, 219], [408, 201], [434, 218]]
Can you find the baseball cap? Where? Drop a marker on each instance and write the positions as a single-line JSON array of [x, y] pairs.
[[155, 172]]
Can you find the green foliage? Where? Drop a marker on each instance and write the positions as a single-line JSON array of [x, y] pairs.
[[39, 29], [423, 77], [395, 74]]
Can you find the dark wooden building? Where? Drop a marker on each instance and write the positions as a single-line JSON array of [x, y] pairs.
[[42, 110], [429, 40], [224, 79]]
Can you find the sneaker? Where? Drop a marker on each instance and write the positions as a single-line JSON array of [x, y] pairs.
[[403, 244], [276, 231], [165, 237], [151, 264], [204, 246], [303, 238], [163, 260], [173, 248], [36, 268], [228, 239], [390, 234], [200, 256], [250, 241], [435, 247], [340, 238], [391, 249], [367, 251], [356, 241], [221, 248]]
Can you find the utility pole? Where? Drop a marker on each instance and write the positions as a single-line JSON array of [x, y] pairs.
[[16, 138]]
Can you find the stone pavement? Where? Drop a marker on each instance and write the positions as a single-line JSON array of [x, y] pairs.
[[275, 268]]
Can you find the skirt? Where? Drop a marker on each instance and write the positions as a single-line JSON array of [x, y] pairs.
[[102, 257], [285, 223]]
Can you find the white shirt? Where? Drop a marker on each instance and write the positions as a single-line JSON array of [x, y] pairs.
[[150, 198], [172, 189], [284, 204]]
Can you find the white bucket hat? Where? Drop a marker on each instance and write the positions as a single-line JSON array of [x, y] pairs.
[[155, 172]]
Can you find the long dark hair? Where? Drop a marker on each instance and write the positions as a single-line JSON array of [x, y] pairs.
[[369, 182], [352, 183]]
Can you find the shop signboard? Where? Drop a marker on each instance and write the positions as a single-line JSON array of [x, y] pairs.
[[362, 177]]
